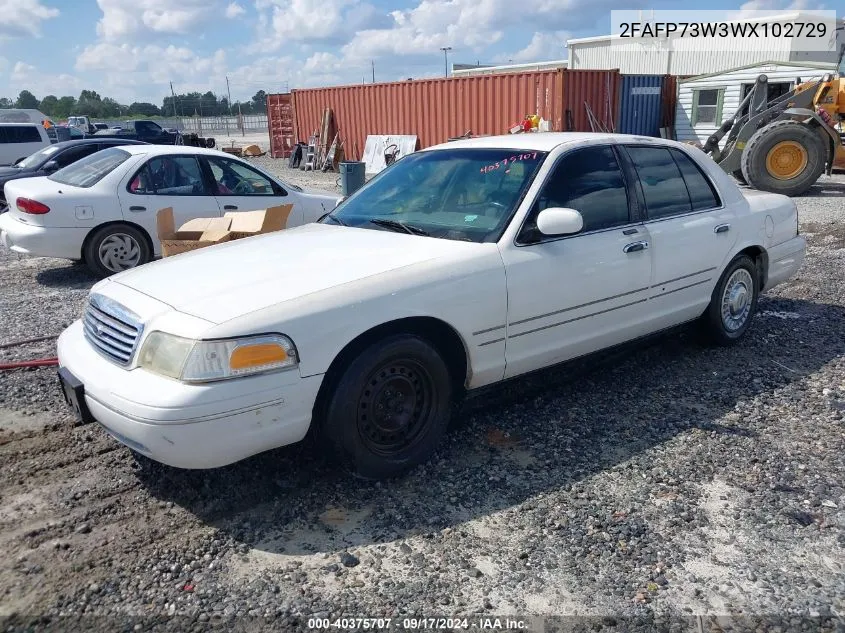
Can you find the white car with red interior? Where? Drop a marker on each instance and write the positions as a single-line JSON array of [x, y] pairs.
[[457, 267], [102, 209]]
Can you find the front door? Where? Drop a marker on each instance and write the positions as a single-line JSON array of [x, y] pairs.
[[168, 180], [692, 232], [241, 188], [572, 295]]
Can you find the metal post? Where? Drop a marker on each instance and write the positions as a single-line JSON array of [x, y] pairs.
[[446, 50], [374, 70]]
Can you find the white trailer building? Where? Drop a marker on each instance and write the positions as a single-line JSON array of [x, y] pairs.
[[705, 101]]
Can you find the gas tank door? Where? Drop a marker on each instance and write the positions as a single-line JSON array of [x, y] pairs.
[[85, 213]]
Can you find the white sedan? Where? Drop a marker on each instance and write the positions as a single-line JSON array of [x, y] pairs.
[[459, 266], [102, 209]]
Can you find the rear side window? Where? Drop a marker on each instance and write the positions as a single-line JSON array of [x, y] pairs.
[[701, 192], [88, 171], [19, 134], [663, 185]]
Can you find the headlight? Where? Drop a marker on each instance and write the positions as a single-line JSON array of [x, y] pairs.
[[189, 360]]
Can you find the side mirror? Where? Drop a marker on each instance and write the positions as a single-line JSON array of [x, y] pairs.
[[559, 221], [50, 166]]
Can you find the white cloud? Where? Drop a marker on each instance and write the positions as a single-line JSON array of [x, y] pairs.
[[778, 5], [23, 17], [543, 46], [282, 21], [27, 77], [470, 25], [234, 10], [122, 67], [130, 18]]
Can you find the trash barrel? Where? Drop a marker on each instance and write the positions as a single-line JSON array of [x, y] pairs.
[[352, 176]]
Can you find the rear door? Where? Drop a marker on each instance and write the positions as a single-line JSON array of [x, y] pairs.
[[239, 187], [691, 231], [169, 180]]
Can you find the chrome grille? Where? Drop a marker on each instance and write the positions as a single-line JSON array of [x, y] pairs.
[[113, 330]]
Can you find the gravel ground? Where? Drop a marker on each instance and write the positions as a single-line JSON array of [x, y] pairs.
[[668, 482]]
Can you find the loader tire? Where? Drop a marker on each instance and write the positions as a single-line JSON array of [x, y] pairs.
[[785, 157], [740, 178]]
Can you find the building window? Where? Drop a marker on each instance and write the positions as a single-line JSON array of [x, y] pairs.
[[707, 106]]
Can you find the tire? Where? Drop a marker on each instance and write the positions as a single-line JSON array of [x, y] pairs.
[[358, 426], [114, 248], [740, 178], [210, 143], [799, 139], [725, 321]]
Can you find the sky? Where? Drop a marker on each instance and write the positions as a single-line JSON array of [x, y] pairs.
[[131, 50]]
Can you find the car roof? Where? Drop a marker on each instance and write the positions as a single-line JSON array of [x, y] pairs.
[[18, 124], [96, 141], [174, 149], [543, 141]]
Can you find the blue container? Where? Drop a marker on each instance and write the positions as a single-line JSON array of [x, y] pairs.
[[352, 176], [640, 105]]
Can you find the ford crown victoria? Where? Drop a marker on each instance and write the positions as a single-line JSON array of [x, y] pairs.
[[457, 267]]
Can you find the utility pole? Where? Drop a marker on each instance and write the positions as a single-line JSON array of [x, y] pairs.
[[374, 70], [446, 50], [229, 92], [173, 94]]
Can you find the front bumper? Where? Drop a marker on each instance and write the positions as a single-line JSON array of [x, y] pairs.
[[65, 243], [190, 426], [784, 260]]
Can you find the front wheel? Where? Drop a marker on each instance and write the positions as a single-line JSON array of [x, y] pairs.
[[733, 302], [115, 248], [390, 407]]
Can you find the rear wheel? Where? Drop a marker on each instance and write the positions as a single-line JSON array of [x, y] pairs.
[[784, 157], [116, 248], [733, 302], [389, 408]]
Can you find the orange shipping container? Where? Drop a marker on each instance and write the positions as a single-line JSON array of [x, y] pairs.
[[438, 109]]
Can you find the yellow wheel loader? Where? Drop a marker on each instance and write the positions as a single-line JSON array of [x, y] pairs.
[[784, 145]]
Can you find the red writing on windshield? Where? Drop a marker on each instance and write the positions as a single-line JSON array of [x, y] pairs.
[[507, 161]]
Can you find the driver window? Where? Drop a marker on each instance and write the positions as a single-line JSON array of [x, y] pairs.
[[169, 176], [234, 179], [590, 181]]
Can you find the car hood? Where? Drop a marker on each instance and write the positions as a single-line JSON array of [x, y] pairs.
[[222, 282]]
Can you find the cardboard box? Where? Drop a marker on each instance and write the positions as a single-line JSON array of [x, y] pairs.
[[247, 223], [201, 232]]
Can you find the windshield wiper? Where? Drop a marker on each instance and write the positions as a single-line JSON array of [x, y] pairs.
[[331, 216], [399, 226]]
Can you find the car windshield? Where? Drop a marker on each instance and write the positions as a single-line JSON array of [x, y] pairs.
[[34, 160], [88, 171], [462, 194]]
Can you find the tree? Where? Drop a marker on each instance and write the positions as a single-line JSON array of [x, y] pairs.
[[110, 108], [259, 102], [6, 103], [65, 107], [49, 105], [144, 109], [26, 100]]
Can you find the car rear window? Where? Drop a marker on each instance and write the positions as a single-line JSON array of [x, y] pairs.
[[88, 171]]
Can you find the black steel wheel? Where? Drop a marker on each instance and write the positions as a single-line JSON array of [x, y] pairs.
[[395, 406], [389, 408]]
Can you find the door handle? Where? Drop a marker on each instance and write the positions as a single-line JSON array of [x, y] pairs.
[[634, 247], [230, 207], [722, 228], [137, 208]]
